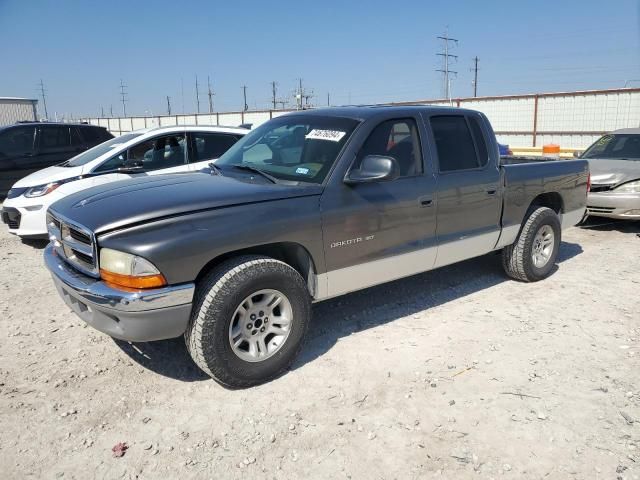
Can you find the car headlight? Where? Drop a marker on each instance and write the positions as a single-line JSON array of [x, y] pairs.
[[41, 190], [629, 187], [130, 271]]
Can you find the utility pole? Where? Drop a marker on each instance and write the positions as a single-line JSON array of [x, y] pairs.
[[274, 89], [446, 56], [168, 105], [475, 77], [210, 94], [44, 99], [111, 110], [101, 112], [328, 100], [123, 96], [244, 92], [197, 96]]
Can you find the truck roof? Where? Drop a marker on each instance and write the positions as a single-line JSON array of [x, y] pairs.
[[363, 112]]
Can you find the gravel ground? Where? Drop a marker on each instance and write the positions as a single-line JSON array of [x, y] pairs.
[[457, 373]]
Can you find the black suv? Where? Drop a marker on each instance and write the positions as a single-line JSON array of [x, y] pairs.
[[30, 146]]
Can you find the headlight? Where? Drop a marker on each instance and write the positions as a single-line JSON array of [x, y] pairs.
[[41, 190], [629, 187], [130, 271]]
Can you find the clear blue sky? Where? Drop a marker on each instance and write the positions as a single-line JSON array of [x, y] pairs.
[[359, 52]]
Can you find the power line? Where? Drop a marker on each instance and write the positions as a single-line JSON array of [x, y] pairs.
[[44, 99], [210, 94], [446, 56], [475, 77], [244, 93], [123, 96]]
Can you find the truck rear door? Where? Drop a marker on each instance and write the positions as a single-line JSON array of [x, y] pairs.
[[468, 190]]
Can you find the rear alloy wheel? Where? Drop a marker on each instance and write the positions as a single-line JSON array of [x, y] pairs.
[[249, 319], [533, 255]]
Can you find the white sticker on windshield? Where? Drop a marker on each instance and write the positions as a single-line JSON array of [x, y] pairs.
[[302, 170], [331, 135]]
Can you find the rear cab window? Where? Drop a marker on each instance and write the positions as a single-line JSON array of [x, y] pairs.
[[455, 143]]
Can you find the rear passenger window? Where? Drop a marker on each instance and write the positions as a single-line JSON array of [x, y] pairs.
[[52, 137], [456, 150], [209, 146], [397, 139], [478, 136]]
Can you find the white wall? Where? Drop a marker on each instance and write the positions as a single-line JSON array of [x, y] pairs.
[[573, 119]]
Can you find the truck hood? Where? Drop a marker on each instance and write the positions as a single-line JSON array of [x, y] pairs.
[[118, 204], [48, 175], [613, 172]]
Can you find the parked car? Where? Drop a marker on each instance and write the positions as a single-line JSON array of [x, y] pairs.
[[26, 147], [140, 153], [614, 160], [307, 206]]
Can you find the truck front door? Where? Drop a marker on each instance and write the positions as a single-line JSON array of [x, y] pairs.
[[376, 232], [468, 193]]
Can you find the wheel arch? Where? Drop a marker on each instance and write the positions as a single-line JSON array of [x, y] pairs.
[[293, 254], [552, 200]]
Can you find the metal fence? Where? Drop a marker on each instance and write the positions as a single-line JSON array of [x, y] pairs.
[[570, 119]]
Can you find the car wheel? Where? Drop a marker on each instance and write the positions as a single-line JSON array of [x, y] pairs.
[[249, 320], [533, 255]]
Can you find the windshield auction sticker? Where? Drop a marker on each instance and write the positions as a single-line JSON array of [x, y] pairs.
[[331, 135]]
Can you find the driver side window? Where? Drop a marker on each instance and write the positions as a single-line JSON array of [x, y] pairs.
[[160, 152], [115, 162], [397, 139]]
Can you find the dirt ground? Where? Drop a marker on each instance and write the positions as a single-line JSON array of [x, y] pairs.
[[457, 373]]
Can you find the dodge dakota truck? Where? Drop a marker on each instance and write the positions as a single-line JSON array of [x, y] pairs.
[[305, 207]]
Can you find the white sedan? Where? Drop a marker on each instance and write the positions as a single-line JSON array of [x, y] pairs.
[[143, 152]]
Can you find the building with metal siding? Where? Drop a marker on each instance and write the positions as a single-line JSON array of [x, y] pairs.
[[14, 110]]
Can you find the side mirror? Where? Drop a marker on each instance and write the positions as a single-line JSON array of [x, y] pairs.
[[577, 153], [374, 168]]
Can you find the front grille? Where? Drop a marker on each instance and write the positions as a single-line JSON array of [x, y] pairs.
[[80, 236], [600, 187], [74, 243], [591, 209], [11, 217]]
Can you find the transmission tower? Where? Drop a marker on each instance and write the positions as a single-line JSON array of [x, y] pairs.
[[197, 96], [123, 97], [168, 105], [446, 60], [210, 94], [44, 99], [475, 76]]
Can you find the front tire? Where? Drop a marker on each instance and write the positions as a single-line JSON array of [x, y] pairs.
[[533, 255], [249, 320]]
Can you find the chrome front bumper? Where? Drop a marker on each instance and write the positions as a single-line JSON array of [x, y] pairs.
[[614, 205], [140, 316]]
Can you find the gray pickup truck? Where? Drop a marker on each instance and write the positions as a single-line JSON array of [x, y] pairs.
[[306, 207]]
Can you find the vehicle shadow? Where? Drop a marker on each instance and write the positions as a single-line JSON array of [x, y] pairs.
[[608, 224], [343, 316], [168, 358], [37, 243]]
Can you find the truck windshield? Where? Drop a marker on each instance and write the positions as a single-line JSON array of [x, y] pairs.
[[615, 146], [99, 150], [300, 148]]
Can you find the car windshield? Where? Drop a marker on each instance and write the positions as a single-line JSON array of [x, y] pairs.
[[300, 148], [615, 146], [99, 150]]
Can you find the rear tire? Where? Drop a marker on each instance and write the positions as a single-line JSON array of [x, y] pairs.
[[533, 255], [228, 336]]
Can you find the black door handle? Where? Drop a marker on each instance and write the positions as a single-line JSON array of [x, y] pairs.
[[426, 201]]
